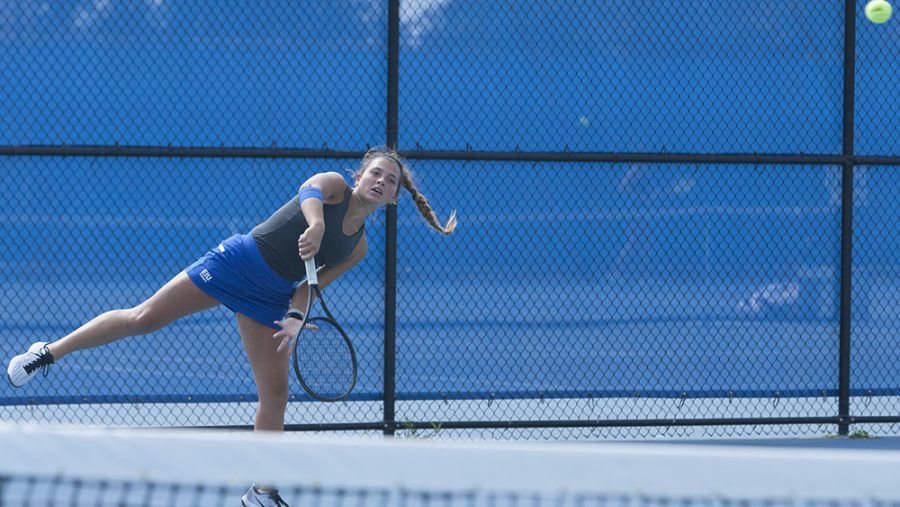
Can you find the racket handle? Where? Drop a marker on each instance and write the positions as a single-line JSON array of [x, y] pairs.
[[311, 276]]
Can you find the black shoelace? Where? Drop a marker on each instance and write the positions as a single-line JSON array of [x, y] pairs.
[[277, 498], [42, 360]]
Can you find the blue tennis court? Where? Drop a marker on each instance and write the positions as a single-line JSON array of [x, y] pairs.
[[695, 294]]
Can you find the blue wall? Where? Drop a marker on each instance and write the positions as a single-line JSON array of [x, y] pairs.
[[582, 276]]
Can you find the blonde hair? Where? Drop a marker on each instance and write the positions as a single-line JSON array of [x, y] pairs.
[[406, 181]]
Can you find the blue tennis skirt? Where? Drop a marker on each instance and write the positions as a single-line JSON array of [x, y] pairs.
[[236, 274]]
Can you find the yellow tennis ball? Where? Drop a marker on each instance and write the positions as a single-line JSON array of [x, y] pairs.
[[878, 11]]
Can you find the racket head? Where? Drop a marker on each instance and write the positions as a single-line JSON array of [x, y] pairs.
[[324, 360]]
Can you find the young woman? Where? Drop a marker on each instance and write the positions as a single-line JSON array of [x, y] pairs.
[[256, 276]]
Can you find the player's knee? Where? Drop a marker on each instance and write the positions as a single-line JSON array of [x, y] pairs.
[[274, 397], [142, 320]]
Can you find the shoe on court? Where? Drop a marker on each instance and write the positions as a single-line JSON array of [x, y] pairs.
[[24, 367], [257, 498]]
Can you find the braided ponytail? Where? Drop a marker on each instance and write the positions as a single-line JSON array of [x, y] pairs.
[[406, 180], [425, 207]]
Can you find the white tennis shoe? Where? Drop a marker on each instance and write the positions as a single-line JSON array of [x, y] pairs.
[[24, 367], [257, 498]]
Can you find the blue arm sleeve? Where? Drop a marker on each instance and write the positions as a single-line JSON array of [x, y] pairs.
[[310, 193]]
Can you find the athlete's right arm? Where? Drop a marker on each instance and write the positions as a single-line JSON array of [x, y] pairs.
[[330, 187]]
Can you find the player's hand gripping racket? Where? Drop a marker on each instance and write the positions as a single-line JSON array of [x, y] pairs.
[[324, 360]]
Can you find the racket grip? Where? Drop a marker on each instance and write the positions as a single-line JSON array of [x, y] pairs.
[[311, 276]]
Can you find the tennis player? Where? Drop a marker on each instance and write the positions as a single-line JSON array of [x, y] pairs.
[[257, 276]]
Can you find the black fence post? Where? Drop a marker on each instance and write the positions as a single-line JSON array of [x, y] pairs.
[[390, 249], [847, 217]]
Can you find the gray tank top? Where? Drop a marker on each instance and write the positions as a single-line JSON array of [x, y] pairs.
[[276, 238]]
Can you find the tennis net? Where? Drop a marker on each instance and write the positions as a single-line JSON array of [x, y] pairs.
[[42, 466]]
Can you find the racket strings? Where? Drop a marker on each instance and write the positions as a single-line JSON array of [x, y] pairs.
[[324, 360]]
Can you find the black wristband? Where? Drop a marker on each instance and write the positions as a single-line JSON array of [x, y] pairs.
[[293, 313]]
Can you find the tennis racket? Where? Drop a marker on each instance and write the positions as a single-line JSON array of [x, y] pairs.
[[324, 359]]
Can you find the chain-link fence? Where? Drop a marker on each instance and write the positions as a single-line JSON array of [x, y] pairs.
[[655, 218]]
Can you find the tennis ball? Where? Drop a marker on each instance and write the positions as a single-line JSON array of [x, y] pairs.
[[584, 121], [878, 11]]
